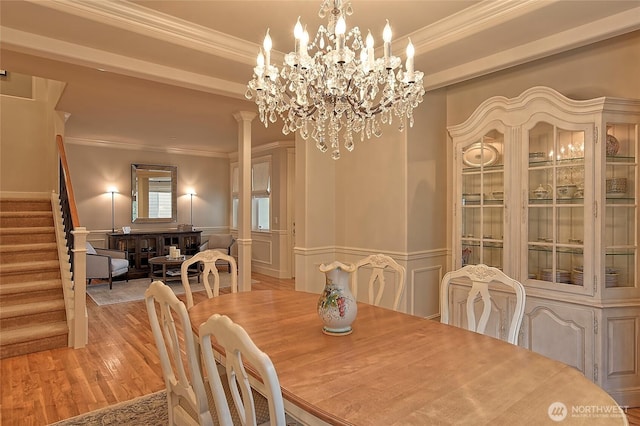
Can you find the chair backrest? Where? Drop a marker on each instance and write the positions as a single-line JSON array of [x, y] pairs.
[[379, 262], [239, 347], [481, 276], [208, 259], [164, 309]]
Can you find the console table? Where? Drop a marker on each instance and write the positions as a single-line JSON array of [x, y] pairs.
[[142, 246]]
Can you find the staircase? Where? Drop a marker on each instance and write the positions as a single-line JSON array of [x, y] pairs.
[[32, 308]]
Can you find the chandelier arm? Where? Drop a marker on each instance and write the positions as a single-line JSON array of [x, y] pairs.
[[308, 111]]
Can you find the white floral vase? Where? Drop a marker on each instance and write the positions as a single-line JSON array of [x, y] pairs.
[[337, 307]]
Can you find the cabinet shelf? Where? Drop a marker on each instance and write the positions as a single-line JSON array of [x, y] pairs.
[[616, 160], [549, 201], [486, 169]]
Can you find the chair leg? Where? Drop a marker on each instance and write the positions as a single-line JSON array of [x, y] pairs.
[[110, 283]]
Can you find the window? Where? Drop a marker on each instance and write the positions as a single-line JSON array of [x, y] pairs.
[[260, 195], [159, 197]]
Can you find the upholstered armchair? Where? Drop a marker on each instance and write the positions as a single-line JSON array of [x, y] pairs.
[[106, 264], [220, 242]]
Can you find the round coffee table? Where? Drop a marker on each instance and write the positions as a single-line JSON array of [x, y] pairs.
[[168, 274]]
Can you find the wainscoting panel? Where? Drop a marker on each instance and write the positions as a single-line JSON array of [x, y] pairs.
[[423, 286]]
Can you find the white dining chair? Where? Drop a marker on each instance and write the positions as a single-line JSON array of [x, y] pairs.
[[238, 347], [208, 258], [379, 263], [187, 395], [482, 277]]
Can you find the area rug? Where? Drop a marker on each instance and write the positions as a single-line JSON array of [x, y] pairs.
[[145, 410], [134, 289]]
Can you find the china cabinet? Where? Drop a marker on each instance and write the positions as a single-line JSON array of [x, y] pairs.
[[546, 189]]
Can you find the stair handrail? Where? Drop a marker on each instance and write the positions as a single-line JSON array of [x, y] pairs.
[[67, 198], [75, 288]]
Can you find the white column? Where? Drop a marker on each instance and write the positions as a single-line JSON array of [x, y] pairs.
[[244, 119]]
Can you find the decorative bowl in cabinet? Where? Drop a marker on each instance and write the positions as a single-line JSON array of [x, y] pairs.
[[565, 191], [616, 186], [612, 145]]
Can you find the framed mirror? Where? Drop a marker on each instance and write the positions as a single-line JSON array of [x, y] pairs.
[[153, 193]]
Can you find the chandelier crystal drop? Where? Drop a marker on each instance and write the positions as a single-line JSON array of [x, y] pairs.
[[333, 86]]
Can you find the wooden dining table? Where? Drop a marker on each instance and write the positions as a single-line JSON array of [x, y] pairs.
[[399, 369]]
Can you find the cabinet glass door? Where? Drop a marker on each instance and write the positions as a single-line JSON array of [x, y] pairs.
[[483, 195], [621, 212], [556, 208]]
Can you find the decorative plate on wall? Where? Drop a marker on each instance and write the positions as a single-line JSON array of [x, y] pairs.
[[477, 155]]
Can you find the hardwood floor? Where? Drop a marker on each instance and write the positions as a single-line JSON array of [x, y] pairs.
[[119, 363]]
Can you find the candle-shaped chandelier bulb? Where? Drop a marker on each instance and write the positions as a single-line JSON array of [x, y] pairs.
[[386, 36], [341, 28], [260, 60], [297, 34], [370, 53], [409, 64], [267, 44]]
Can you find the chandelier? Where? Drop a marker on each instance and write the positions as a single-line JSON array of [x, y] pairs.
[[333, 86]]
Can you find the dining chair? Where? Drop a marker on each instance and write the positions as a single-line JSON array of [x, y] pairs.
[[379, 263], [187, 395], [208, 258], [238, 347], [482, 277]]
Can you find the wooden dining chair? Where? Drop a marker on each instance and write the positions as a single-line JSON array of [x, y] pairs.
[[482, 277], [187, 395], [379, 263], [208, 258], [238, 347]]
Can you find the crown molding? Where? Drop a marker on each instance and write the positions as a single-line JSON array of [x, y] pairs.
[[573, 38], [93, 143], [150, 23], [264, 148], [59, 50], [470, 21]]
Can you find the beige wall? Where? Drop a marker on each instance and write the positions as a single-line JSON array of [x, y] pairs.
[[371, 193], [28, 153], [96, 168], [608, 68], [427, 180]]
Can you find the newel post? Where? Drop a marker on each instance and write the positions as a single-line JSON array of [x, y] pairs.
[[80, 323]]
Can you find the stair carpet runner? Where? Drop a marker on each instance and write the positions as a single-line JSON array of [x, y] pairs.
[[32, 309]]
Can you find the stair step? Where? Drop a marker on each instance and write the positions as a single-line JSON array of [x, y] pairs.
[[12, 248], [27, 230], [29, 287], [25, 204], [23, 334], [29, 267], [13, 219], [23, 309], [20, 253], [39, 234]]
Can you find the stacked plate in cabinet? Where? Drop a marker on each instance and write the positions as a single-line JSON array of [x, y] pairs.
[[610, 278], [562, 276]]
